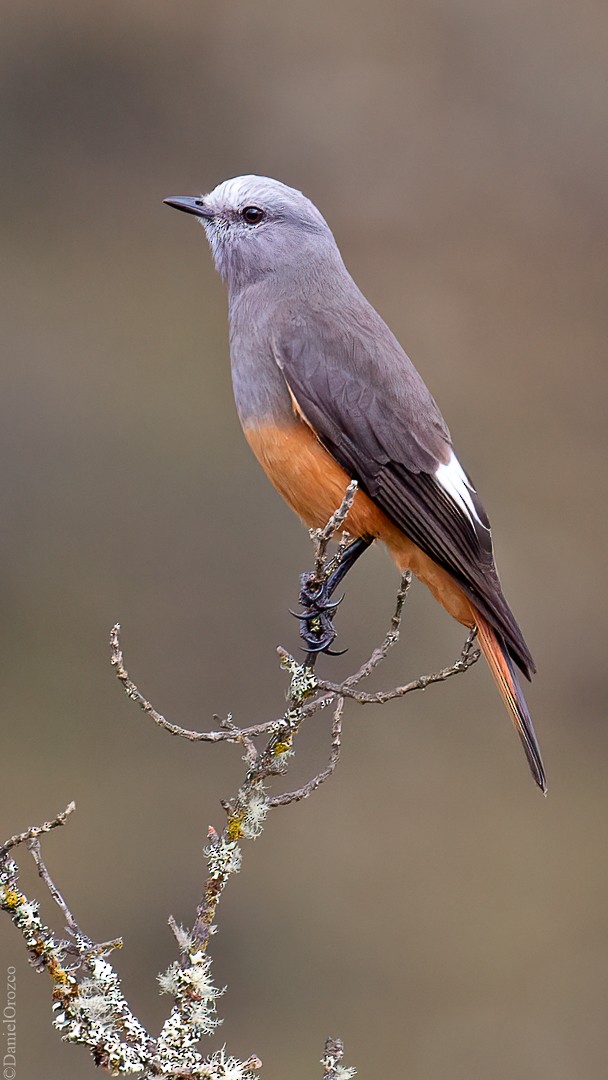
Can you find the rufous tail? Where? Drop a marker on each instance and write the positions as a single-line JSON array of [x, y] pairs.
[[503, 670]]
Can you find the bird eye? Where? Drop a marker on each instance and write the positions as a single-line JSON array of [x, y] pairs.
[[252, 215]]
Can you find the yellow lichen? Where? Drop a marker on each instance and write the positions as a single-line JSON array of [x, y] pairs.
[[234, 827], [12, 899], [281, 747], [57, 972]]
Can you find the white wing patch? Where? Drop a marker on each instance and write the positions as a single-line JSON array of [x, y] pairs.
[[454, 482]]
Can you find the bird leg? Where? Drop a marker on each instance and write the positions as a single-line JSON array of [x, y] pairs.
[[316, 619]]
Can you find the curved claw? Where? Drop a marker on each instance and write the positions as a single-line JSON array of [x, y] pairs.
[[331, 605], [335, 652], [317, 647]]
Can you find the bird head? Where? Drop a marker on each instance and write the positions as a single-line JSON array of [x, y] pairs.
[[257, 226]]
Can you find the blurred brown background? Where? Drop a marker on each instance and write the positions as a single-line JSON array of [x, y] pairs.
[[427, 905]]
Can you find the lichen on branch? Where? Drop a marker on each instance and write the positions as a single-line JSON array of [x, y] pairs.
[[88, 1004]]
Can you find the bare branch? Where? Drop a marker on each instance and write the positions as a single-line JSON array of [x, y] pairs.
[[88, 1002], [467, 658], [34, 847], [322, 537], [229, 734], [36, 830], [392, 637], [132, 692], [316, 781]]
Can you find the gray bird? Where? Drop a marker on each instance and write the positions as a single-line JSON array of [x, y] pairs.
[[326, 394]]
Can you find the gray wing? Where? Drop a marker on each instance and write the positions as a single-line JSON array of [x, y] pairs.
[[365, 400]]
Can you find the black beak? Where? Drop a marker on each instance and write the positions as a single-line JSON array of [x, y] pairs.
[[189, 205]]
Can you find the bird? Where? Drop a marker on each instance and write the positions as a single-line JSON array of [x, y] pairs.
[[326, 394]]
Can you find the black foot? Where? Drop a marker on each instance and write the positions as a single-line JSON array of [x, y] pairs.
[[316, 618], [317, 629]]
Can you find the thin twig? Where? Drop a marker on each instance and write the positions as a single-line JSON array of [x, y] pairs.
[[34, 847], [316, 781], [249, 746], [230, 733], [467, 658], [392, 637], [322, 537], [378, 655], [36, 830]]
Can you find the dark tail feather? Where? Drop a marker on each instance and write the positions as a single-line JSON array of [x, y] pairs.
[[503, 671]]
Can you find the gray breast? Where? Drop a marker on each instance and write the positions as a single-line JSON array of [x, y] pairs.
[[260, 391]]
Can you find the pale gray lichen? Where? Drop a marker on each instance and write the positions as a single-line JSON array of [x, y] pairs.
[[182, 936], [221, 1067], [193, 1016], [303, 681], [194, 978], [223, 858], [92, 1004], [98, 1016], [93, 1013], [258, 806], [330, 1061]]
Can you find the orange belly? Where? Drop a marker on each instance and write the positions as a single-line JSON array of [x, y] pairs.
[[313, 484]]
